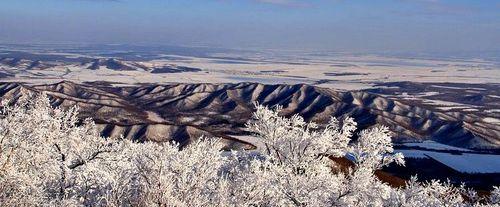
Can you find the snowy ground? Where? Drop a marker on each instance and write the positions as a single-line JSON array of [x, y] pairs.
[[431, 145], [348, 72], [464, 160], [469, 162], [255, 141]]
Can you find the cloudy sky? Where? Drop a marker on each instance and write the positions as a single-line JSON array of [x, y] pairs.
[[340, 25]]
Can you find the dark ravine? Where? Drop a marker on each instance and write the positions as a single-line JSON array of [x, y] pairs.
[[183, 112]]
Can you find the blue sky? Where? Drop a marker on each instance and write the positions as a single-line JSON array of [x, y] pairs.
[[339, 25]]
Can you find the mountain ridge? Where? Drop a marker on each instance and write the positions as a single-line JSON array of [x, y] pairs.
[[159, 112]]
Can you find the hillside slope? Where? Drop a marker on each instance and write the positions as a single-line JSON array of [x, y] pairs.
[[185, 111]]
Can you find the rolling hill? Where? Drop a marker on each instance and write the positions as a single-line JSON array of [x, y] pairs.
[[183, 112]]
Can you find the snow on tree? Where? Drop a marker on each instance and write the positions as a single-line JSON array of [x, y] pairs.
[[48, 157], [43, 151], [298, 171]]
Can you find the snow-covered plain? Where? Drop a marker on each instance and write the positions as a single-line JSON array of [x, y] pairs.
[[469, 162], [348, 72], [465, 160]]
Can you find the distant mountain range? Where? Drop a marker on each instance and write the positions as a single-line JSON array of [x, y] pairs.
[[113, 64], [25, 64], [93, 64], [183, 112]]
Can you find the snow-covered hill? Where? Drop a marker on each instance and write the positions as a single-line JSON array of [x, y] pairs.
[[181, 111]]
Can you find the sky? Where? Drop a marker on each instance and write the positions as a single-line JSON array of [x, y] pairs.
[[333, 25]]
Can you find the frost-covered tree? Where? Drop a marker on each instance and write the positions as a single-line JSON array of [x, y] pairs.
[[50, 158], [45, 155], [152, 174], [297, 169]]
